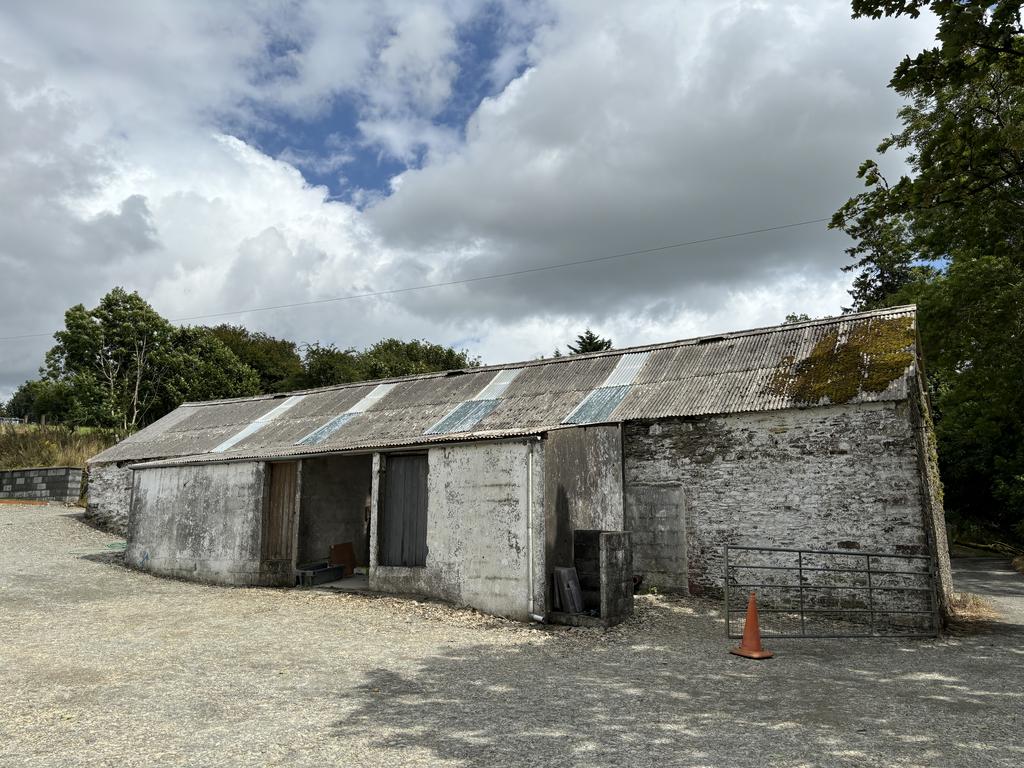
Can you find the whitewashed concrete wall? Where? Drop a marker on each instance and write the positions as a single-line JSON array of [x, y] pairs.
[[841, 477], [477, 530], [202, 522], [108, 497]]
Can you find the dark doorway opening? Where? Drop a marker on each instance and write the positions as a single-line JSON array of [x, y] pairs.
[[334, 510]]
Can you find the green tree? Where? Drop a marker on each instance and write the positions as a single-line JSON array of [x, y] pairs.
[[392, 357], [588, 341], [949, 235], [277, 361], [204, 368], [38, 400], [115, 357], [325, 364], [124, 365]]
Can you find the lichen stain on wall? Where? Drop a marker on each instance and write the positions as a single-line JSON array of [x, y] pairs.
[[870, 357]]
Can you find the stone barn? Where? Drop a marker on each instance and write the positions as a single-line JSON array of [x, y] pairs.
[[475, 485]]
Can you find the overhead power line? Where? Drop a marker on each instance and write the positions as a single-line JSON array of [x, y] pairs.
[[480, 278]]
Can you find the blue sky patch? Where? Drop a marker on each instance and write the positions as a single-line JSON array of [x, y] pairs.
[[330, 149]]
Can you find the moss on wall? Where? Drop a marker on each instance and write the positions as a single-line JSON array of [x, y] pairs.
[[870, 357]]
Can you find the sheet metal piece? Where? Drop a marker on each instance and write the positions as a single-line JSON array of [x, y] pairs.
[[599, 403], [261, 422], [372, 398], [463, 417], [320, 434], [626, 370], [466, 415], [597, 406], [367, 402], [497, 386]]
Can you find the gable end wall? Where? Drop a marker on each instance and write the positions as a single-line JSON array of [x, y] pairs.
[[841, 477], [109, 496]]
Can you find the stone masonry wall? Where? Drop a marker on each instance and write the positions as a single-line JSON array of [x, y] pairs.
[[109, 497], [931, 484], [840, 477], [63, 484]]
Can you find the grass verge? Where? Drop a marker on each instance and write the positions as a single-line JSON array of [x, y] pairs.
[[969, 612], [50, 446]]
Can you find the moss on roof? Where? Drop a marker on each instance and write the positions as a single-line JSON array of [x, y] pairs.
[[871, 356]]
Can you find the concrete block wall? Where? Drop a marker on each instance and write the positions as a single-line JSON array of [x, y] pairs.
[[61, 484], [656, 516], [109, 497], [840, 477]]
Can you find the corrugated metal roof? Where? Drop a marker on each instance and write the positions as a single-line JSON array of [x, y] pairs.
[[626, 370], [497, 386], [599, 403], [757, 370], [320, 434], [255, 426], [463, 417], [597, 406]]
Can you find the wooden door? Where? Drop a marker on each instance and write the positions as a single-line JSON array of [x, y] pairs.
[[403, 512], [279, 518]]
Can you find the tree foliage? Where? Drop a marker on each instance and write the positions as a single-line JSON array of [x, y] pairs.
[[40, 400], [123, 365], [276, 361], [392, 357], [949, 235], [324, 365], [588, 341]]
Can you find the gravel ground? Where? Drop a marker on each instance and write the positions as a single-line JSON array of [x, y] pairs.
[[103, 666], [998, 580]]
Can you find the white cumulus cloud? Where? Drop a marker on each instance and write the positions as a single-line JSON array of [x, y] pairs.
[[609, 127]]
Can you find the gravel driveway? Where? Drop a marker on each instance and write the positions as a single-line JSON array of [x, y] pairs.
[[104, 666], [999, 581]]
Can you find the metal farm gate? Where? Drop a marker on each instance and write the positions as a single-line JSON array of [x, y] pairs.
[[831, 593]]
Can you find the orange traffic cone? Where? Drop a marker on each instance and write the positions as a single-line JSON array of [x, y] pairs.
[[750, 647]]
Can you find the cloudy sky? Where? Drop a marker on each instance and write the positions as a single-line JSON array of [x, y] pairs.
[[219, 157]]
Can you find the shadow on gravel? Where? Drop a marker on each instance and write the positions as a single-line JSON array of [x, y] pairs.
[[667, 693], [989, 576], [112, 557]]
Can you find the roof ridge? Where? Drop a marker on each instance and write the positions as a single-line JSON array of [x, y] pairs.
[[759, 331]]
